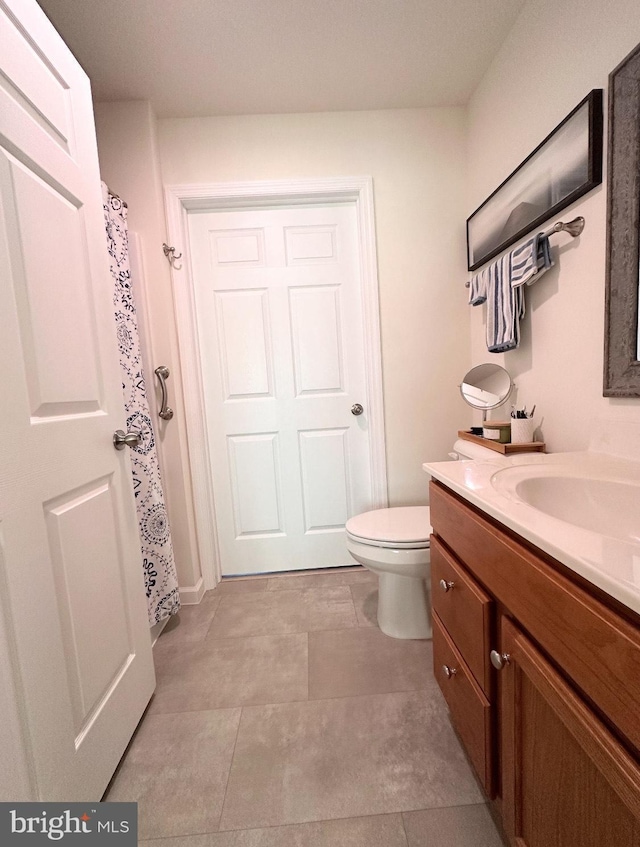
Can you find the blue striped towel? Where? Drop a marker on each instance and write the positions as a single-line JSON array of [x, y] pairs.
[[501, 284]]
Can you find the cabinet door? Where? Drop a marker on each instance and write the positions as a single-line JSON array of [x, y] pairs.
[[566, 780]]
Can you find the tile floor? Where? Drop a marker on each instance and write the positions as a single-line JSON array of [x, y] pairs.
[[283, 717]]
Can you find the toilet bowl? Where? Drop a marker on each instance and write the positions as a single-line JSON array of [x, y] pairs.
[[394, 544]]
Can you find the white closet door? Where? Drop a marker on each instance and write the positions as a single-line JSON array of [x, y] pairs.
[[279, 313], [73, 628]]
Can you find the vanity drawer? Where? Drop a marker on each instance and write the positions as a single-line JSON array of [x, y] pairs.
[[470, 710], [464, 609]]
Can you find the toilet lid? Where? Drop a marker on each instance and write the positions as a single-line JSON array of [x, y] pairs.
[[403, 526]]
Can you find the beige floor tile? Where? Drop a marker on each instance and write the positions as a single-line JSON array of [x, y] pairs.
[[350, 662], [378, 831], [360, 576], [176, 769], [211, 596], [348, 757], [231, 672], [365, 600], [230, 585], [292, 582], [462, 826], [190, 624], [337, 576], [279, 612]]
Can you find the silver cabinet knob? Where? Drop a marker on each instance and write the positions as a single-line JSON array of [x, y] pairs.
[[449, 672], [446, 585], [357, 409], [122, 439], [499, 660]]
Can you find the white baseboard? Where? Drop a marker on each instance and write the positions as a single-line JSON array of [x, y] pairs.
[[193, 594]]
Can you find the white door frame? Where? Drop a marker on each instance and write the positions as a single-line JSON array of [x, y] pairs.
[[213, 197]]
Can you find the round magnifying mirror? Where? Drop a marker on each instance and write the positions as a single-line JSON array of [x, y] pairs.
[[486, 386]]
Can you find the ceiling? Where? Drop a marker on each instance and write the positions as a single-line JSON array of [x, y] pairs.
[[230, 57]]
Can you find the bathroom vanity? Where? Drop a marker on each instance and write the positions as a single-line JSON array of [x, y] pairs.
[[539, 658]]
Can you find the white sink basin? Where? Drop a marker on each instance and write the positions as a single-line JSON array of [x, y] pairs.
[[610, 507], [581, 507]]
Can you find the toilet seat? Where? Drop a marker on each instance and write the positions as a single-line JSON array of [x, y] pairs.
[[392, 545], [400, 528]]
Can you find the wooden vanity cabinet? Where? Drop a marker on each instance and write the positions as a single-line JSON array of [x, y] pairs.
[[556, 743]]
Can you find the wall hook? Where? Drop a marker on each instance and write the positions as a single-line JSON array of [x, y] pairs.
[[170, 253]]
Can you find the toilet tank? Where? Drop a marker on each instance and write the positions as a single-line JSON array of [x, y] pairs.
[[464, 450]]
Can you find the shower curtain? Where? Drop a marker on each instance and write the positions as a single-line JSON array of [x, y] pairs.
[[161, 583]]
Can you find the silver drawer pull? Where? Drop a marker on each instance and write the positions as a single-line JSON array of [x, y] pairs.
[[446, 585], [499, 660], [449, 672]]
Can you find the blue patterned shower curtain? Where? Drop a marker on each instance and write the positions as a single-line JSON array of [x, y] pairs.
[[161, 582]]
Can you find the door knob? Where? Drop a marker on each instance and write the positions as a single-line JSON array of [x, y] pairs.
[[357, 409], [122, 439]]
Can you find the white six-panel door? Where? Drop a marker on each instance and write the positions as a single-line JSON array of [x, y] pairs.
[[75, 650], [279, 313]]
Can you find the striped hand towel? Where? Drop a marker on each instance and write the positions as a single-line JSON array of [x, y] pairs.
[[501, 285]]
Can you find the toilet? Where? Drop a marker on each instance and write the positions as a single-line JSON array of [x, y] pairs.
[[394, 544]]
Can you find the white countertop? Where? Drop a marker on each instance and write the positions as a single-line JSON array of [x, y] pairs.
[[611, 563]]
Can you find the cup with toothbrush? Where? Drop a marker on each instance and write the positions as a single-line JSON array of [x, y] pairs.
[[522, 425]]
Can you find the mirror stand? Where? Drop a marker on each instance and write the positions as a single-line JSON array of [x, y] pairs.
[[486, 387]]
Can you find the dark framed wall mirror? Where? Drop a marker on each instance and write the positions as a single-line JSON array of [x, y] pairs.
[[621, 340]]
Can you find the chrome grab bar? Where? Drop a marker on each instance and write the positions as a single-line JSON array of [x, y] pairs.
[[162, 372]]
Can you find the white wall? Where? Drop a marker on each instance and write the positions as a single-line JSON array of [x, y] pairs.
[[554, 55], [129, 165], [416, 158]]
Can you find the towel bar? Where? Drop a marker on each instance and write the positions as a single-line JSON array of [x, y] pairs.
[[574, 228]]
